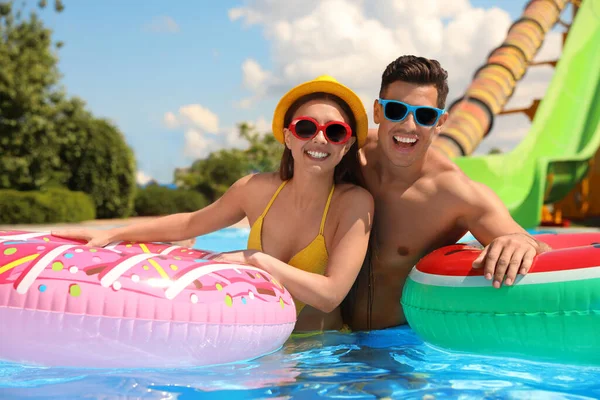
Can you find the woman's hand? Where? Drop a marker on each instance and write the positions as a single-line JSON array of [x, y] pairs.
[[94, 237], [238, 256]]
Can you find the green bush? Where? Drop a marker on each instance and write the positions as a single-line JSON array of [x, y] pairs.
[[154, 200], [49, 206], [48, 138], [103, 166]]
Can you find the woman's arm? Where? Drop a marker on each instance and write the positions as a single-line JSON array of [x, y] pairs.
[[348, 250], [224, 212]]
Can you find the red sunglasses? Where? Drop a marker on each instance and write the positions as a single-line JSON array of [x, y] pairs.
[[306, 128]]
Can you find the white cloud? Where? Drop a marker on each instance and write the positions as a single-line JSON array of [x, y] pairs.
[[142, 178], [193, 116], [261, 125], [199, 144], [254, 75], [163, 24], [245, 103], [200, 117], [508, 131], [196, 145], [551, 48], [170, 120], [354, 40]]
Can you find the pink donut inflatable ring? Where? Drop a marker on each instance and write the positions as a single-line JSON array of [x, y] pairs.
[[131, 305]]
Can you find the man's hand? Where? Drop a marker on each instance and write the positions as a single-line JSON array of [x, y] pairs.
[[509, 255]]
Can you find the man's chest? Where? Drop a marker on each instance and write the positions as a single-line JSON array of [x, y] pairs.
[[412, 223]]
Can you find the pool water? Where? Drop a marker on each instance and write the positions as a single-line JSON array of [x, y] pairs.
[[390, 363]]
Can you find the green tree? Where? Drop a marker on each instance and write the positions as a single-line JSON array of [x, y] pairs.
[[28, 76], [213, 175], [46, 139], [264, 153], [97, 161]]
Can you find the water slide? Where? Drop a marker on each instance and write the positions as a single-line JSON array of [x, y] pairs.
[[565, 131]]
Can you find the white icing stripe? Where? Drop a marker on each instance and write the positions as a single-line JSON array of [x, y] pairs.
[[39, 266], [178, 286], [532, 278], [169, 249], [119, 269], [24, 236], [112, 246]]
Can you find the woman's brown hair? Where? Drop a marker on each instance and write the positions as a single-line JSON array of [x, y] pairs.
[[348, 170]]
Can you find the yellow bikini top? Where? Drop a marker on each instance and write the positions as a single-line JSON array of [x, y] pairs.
[[312, 258]]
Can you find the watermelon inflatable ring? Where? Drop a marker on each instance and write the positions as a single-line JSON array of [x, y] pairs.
[[551, 314]]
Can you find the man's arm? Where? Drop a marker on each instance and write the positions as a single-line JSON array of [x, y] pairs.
[[509, 249]]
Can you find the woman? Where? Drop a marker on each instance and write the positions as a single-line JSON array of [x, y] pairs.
[[310, 222]]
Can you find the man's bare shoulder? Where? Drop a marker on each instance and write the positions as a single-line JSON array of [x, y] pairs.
[[438, 163], [353, 203], [367, 152], [354, 196], [454, 185]]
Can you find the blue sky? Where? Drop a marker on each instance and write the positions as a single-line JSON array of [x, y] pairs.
[[132, 62]]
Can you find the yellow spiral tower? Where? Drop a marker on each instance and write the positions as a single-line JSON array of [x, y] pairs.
[[471, 116]]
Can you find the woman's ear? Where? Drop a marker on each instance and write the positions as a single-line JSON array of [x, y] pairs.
[[349, 144], [287, 138]]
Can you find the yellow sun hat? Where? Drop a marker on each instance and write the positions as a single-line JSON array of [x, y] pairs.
[[326, 84]]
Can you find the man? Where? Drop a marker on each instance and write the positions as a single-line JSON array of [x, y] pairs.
[[422, 199]]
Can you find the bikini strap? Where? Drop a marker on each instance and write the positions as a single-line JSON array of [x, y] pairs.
[[273, 198], [321, 230]]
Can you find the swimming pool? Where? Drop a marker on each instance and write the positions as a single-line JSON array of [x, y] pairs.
[[388, 363]]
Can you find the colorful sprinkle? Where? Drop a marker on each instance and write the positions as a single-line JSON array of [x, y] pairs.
[[16, 263], [258, 275], [219, 287], [46, 239], [10, 251], [135, 278], [173, 267], [251, 295], [116, 285], [73, 269], [74, 290], [177, 258], [68, 255], [194, 298], [276, 283], [42, 288], [281, 302], [57, 266], [228, 300], [159, 269], [146, 268], [243, 300], [183, 250], [93, 250], [40, 248], [78, 250], [96, 259], [237, 270], [128, 245]]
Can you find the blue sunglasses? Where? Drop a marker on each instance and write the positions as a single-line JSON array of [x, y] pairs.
[[396, 111]]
